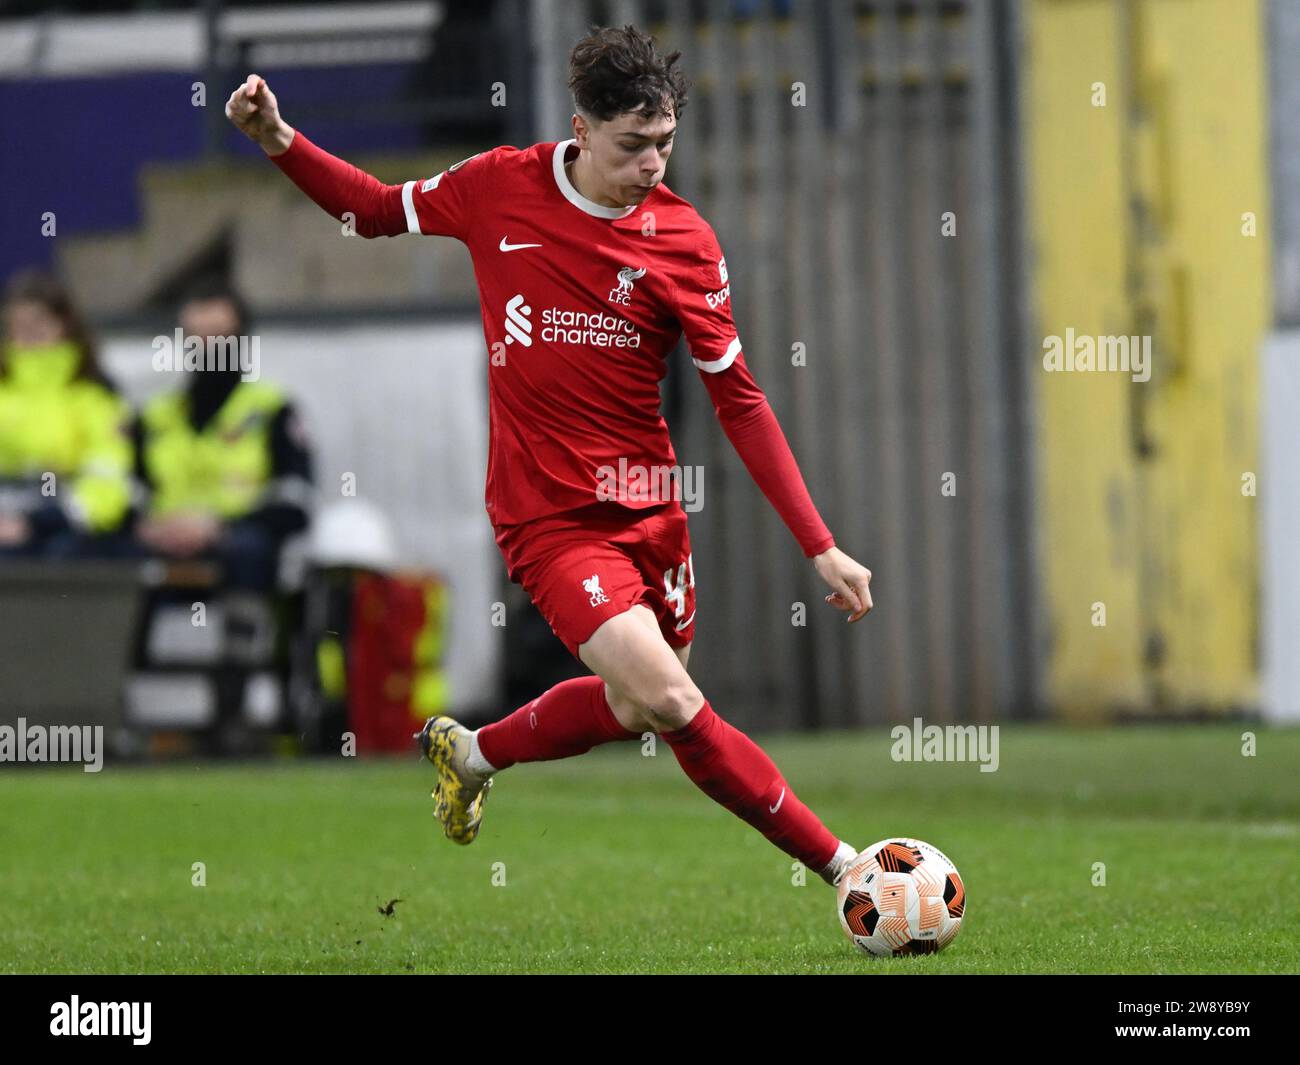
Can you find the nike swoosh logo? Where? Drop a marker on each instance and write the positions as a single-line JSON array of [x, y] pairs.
[[682, 624], [773, 809], [515, 247]]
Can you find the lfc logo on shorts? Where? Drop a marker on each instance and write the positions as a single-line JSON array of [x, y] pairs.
[[591, 586]]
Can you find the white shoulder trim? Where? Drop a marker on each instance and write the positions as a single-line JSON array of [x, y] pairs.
[[718, 365], [408, 204], [573, 195]]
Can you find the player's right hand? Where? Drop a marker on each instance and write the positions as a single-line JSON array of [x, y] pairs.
[[254, 111]]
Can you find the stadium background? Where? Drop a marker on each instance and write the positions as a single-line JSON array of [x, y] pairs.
[[827, 143], [919, 348]]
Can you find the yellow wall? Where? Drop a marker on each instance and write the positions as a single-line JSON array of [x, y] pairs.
[[1165, 540]]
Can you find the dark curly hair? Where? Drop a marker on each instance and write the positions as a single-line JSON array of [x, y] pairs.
[[613, 71]]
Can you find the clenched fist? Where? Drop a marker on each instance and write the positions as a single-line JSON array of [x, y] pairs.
[[255, 113]]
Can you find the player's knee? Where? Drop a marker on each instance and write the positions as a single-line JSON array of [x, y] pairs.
[[627, 712], [658, 705], [673, 705]]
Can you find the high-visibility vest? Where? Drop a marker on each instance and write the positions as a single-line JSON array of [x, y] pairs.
[[223, 468], [67, 439]]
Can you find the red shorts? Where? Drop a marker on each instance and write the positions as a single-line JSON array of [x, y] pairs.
[[585, 566]]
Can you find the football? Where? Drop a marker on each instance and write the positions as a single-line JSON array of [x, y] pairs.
[[901, 896]]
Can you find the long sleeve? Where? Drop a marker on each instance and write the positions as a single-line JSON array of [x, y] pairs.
[[751, 426], [703, 306], [441, 206], [339, 187]]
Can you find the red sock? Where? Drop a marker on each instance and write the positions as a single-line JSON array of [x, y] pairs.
[[732, 769], [570, 718]]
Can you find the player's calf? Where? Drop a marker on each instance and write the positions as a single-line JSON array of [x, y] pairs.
[[566, 720], [724, 763]]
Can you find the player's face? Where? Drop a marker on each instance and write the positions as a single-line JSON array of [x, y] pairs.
[[629, 154]]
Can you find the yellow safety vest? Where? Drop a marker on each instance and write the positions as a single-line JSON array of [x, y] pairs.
[[51, 422], [223, 468]]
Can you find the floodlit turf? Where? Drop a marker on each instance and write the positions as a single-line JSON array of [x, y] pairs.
[[615, 863]]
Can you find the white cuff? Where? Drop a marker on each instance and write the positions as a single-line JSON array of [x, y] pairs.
[[718, 365], [408, 204]]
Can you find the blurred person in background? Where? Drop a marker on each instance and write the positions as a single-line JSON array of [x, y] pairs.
[[65, 452], [224, 466]]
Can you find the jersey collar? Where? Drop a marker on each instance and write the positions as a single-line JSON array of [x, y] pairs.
[[573, 195]]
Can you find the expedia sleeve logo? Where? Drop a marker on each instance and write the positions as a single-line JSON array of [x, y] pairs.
[[718, 298]]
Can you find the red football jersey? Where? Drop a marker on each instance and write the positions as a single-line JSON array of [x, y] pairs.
[[581, 304]]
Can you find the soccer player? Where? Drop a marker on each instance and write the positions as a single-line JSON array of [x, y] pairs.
[[589, 270]]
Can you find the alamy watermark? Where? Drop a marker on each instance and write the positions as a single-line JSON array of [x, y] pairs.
[[53, 743], [180, 352], [629, 482], [946, 743], [1105, 354], [102, 1018]]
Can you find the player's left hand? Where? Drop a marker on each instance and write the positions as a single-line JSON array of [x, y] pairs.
[[849, 582]]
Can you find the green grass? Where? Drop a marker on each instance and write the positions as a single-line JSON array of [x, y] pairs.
[[615, 863]]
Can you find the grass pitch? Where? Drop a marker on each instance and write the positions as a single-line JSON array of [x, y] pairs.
[[615, 863]]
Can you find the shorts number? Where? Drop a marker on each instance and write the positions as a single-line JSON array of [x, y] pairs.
[[675, 591]]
